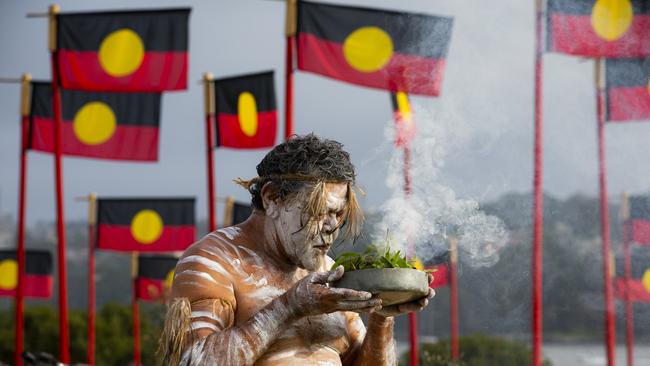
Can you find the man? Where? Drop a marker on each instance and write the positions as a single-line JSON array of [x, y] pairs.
[[259, 293]]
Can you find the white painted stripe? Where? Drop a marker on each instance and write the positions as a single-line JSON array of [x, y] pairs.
[[283, 354], [190, 272], [207, 314], [212, 265], [199, 325]]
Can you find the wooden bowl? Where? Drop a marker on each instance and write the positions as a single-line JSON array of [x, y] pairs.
[[392, 285]]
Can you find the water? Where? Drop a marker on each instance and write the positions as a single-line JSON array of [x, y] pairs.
[[593, 354], [580, 354]]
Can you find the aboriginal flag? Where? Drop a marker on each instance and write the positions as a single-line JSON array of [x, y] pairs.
[[128, 51], [380, 49], [145, 224], [599, 28], [440, 267], [403, 116], [637, 226], [155, 276], [639, 283], [38, 273], [628, 89], [116, 126], [246, 111]]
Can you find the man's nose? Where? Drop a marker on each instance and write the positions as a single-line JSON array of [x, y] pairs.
[[330, 225]]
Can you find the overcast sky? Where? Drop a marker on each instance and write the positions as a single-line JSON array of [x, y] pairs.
[[487, 89]]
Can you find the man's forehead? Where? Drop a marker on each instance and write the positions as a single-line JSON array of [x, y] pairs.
[[336, 194]]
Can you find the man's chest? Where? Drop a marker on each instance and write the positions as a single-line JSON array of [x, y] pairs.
[[326, 329]]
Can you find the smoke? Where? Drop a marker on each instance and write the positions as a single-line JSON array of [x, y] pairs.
[[425, 219]]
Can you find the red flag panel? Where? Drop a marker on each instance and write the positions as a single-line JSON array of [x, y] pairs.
[[125, 51], [599, 28], [389, 50]]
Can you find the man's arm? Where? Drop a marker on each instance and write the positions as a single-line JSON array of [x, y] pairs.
[[378, 347], [214, 339], [204, 282], [242, 344]]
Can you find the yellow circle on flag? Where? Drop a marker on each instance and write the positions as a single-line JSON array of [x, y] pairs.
[[146, 226], [121, 52], [611, 18], [8, 274], [153, 291], [247, 112], [368, 49], [94, 123], [646, 280], [167, 283]]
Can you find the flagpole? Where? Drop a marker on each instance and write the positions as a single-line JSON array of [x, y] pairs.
[[228, 214], [604, 215], [453, 287], [135, 310], [538, 196], [92, 220], [629, 309], [25, 99], [64, 352], [290, 31], [412, 317], [208, 85]]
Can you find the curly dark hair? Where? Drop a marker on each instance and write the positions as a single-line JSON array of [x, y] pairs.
[[305, 163], [309, 156]]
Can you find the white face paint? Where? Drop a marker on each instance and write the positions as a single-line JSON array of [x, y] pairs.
[[306, 242]]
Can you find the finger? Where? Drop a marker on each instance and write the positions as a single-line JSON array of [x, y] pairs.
[[358, 305], [431, 293], [413, 306], [330, 276], [350, 294], [335, 274], [430, 277]]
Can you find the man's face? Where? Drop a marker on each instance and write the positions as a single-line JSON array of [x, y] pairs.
[[305, 240]]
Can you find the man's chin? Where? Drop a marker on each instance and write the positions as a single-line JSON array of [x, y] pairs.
[[314, 264]]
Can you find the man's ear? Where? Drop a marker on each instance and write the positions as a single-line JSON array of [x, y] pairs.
[[270, 199]]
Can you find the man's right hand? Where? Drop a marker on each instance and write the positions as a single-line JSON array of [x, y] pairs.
[[312, 296]]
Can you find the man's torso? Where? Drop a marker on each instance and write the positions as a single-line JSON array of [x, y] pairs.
[[253, 284]]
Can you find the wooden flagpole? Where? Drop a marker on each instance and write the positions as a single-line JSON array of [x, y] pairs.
[[604, 216], [290, 32], [629, 309], [538, 196], [208, 85], [135, 309], [64, 351], [25, 101], [92, 221], [453, 287]]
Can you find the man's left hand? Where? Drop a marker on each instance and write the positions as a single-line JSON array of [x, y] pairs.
[[409, 307]]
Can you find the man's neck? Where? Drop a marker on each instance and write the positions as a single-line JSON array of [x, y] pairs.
[[265, 243]]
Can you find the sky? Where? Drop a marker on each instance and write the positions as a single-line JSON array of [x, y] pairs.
[[486, 104]]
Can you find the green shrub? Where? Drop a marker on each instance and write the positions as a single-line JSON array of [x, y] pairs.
[[113, 333], [475, 350]]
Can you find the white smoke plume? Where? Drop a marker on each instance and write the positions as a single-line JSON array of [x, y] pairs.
[[432, 212]]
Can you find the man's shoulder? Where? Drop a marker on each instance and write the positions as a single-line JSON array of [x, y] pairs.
[[224, 245]]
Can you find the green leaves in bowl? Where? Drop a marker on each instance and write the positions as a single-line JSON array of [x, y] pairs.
[[373, 257]]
